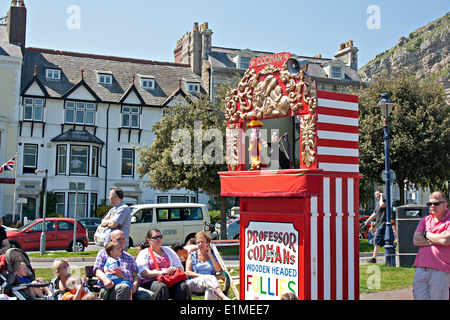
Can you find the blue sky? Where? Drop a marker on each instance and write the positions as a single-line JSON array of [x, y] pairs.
[[149, 29]]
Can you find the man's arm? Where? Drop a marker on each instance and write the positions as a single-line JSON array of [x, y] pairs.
[[420, 241], [441, 239]]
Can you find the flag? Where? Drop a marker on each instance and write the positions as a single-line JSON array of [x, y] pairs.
[[8, 165]]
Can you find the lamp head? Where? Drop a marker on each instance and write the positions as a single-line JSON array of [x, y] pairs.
[[385, 105]]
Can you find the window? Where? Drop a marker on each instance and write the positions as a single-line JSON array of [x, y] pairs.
[[144, 216], [147, 83], [336, 72], [93, 205], [60, 203], [127, 162], [30, 158], [130, 117], [94, 159], [61, 160], [78, 112], [53, 74], [162, 199], [49, 226], [81, 205], [179, 199], [33, 109], [245, 62], [193, 87], [65, 225], [104, 78], [79, 156]]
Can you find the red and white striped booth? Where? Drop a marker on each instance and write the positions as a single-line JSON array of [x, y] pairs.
[[298, 227]]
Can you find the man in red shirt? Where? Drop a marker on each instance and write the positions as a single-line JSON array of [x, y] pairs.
[[432, 277]]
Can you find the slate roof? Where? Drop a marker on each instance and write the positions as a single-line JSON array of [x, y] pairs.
[[79, 136], [167, 75], [223, 58], [8, 49]]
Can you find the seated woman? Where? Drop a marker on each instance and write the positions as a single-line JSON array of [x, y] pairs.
[[201, 267], [167, 262], [61, 270]]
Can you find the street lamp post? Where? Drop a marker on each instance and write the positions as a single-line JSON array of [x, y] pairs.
[[44, 210], [386, 105]]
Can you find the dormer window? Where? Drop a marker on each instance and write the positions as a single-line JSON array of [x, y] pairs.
[[336, 72], [147, 82], [104, 77], [54, 74], [193, 87], [334, 69], [244, 62]]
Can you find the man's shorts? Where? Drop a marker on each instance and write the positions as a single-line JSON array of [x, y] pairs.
[[379, 235]]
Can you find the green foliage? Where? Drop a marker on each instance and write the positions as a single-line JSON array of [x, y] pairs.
[[214, 216], [102, 210], [419, 133], [180, 136]]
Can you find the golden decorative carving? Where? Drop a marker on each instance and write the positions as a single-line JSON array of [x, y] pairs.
[[232, 147], [272, 93], [308, 132]]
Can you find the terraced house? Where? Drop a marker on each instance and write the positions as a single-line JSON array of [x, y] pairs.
[[78, 118]]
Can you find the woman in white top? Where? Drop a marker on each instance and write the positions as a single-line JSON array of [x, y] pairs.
[[167, 262]]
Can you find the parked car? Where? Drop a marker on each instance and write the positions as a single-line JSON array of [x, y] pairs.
[[8, 228], [363, 232], [178, 222], [232, 228], [58, 233], [91, 224]]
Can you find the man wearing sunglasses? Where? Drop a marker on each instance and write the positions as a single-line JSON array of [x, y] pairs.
[[432, 236]]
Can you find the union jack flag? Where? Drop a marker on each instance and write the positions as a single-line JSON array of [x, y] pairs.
[[8, 165]]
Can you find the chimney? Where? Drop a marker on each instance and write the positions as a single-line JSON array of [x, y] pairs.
[[348, 54], [206, 40], [189, 49], [17, 21]]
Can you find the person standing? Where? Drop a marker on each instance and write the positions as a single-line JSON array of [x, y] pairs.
[[432, 236], [119, 217], [380, 223]]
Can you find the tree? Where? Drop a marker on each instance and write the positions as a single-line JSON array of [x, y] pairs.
[[419, 133], [188, 149]]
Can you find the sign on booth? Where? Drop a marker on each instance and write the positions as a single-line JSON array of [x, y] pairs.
[[271, 260]]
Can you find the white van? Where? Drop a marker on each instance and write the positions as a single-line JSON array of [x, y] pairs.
[[178, 222]]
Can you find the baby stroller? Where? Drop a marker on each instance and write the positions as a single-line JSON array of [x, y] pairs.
[[9, 283]]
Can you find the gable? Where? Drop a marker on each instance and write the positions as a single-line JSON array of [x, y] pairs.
[[81, 93], [34, 90]]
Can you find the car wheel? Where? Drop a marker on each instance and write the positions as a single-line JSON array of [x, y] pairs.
[[79, 247], [13, 244]]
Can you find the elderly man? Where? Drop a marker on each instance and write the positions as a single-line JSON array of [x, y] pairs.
[[121, 291], [432, 236]]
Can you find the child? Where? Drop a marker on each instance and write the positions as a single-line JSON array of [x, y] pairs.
[[77, 290], [372, 231], [112, 266], [20, 269]]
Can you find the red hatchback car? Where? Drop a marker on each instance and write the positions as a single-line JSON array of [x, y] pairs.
[[58, 234]]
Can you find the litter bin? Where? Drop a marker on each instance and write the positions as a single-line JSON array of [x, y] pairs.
[[408, 217]]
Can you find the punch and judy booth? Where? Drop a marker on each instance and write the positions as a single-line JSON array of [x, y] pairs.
[[299, 227]]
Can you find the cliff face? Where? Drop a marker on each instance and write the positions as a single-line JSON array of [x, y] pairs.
[[425, 52]]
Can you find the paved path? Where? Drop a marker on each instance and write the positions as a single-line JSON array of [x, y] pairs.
[[403, 294]]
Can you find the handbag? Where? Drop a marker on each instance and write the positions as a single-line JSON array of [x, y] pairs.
[[168, 280]]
